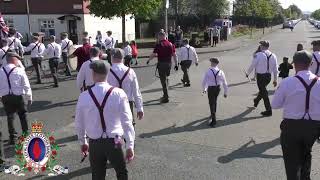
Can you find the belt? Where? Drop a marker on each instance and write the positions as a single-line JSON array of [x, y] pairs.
[[101, 139], [263, 73], [306, 120], [214, 86]]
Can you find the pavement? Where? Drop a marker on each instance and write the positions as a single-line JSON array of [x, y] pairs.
[[174, 140]]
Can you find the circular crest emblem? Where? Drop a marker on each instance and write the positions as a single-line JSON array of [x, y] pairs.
[[37, 150]]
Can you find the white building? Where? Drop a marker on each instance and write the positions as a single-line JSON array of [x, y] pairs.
[[52, 18]]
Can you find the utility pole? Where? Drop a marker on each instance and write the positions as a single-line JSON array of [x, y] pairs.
[[28, 17], [166, 15]]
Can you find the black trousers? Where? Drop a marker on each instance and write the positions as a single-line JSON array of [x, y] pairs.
[[108, 51], [66, 62], [36, 62], [262, 81], [127, 61], [164, 69], [102, 150], [185, 65], [297, 138], [213, 93], [131, 103], [53, 64], [215, 40], [15, 104]]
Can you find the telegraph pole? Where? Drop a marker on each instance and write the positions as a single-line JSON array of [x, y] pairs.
[[28, 17]]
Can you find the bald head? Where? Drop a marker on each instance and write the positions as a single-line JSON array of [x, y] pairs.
[[117, 55], [94, 52]]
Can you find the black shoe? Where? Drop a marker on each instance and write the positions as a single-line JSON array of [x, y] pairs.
[[136, 63], [213, 123], [38, 82], [266, 113], [182, 81], [164, 100], [56, 85], [187, 85], [255, 103]]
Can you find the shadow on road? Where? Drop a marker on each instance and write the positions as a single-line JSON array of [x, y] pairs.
[[314, 37], [67, 139], [239, 118], [270, 92], [254, 151], [238, 84], [175, 86], [194, 126], [45, 105], [152, 102]]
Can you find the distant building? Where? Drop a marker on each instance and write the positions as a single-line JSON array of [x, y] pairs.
[[55, 16]]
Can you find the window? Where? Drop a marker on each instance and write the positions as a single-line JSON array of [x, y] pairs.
[[47, 27], [9, 22]]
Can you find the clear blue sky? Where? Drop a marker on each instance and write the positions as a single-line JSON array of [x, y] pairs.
[[304, 5]]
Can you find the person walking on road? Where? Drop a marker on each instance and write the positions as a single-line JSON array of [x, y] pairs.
[[66, 44], [103, 114], [125, 78], [14, 43], [315, 65], [84, 77], [264, 63], [82, 53], [211, 83], [165, 51], [53, 52], [300, 128], [284, 68], [14, 84], [37, 49], [4, 50], [186, 55]]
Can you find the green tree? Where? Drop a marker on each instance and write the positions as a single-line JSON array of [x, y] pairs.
[[121, 8], [316, 14], [293, 12]]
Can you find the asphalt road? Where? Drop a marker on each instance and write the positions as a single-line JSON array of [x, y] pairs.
[[173, 141]]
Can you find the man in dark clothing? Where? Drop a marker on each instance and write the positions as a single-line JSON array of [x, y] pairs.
[[284, 68], [82, 53], [165, 51]]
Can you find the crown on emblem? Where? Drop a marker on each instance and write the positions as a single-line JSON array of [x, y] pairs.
[[36, 127]]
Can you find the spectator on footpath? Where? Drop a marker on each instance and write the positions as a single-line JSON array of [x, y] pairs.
[[109, 44], [134, 48], [171, 35], [215, 36], [99, 43], [127, 54], [82, 53], [178, 36]]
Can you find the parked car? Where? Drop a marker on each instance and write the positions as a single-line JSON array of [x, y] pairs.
[[286, 25]]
